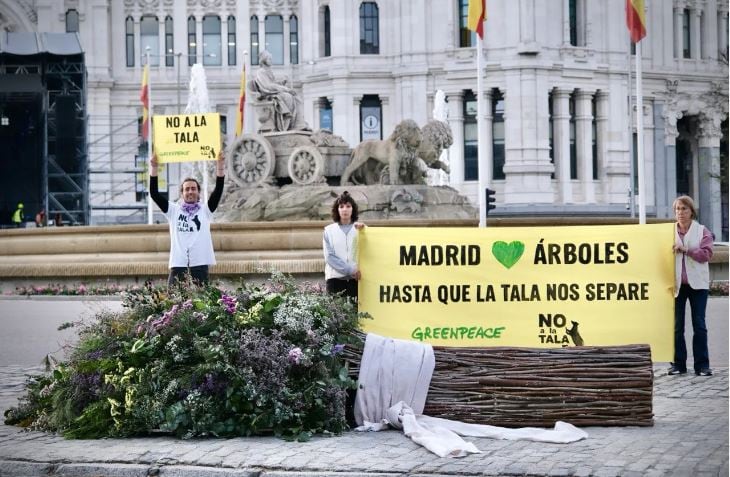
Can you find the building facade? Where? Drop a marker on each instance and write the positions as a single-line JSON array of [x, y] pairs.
[[560, 108]]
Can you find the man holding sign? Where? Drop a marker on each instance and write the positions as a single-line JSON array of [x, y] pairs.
[[191, 246]]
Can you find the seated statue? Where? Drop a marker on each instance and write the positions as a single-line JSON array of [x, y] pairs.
[[287, 113]]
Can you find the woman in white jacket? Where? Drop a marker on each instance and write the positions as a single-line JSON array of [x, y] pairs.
[[339, 243], [692, 252]]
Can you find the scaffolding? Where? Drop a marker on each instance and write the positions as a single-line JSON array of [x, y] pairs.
[[49, 68]]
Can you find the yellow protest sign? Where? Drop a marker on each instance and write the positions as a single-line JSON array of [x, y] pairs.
[[530, 287], [186, 137]]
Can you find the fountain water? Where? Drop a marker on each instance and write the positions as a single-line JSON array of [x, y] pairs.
[[440, 113], [198, 102]]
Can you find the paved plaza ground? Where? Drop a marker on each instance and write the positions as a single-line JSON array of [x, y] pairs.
[[689, 438]]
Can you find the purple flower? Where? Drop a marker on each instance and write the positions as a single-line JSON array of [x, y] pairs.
[[295, 355], [229, 303], [337, 349]]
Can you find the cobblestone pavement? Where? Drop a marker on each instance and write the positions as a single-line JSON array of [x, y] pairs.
[[689, 438]]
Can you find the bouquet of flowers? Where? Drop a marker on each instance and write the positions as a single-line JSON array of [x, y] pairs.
[[265, 359]]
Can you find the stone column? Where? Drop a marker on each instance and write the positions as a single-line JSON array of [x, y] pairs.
[[710, 197], [722, 11], [488, 134], [566, 23], [287, 54], [670, 115], [561, 141], [224, 40], [456, 151], [584, 144], [694, 33], [678, 45], [602, 137]]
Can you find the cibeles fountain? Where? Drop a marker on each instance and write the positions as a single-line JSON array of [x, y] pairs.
[[286, 171]]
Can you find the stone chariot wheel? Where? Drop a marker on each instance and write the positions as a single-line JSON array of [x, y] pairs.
[[306, 165], [252, 160]]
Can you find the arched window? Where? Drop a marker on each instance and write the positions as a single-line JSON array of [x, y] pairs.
[[369, 29], [72, 21], [231, 40], [192, 42], [169, 45], [150, 37], [212, 40], [254, 27], [129, 37], [274, 31], [293, 40]]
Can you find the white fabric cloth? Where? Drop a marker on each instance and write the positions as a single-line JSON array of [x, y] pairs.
[[190, 242], [392, 370], [698, 274], [440, 436]]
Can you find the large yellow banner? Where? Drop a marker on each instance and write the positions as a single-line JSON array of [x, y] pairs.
[[187, 137], [531, 287]]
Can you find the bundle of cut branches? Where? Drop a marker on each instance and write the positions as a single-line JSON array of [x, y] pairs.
[[518, 387]]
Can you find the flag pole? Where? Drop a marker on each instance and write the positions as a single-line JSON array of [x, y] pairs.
[[481, 140], [150, 210], [640, 136]]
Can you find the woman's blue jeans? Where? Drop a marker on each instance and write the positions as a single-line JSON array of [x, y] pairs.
[[698, 304]]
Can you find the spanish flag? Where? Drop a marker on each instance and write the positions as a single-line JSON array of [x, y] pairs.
[[144, 96], [477, 15], [241, 103], [636, 20]]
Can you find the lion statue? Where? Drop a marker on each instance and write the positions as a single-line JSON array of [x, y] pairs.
[[398, 153], [436, 137]]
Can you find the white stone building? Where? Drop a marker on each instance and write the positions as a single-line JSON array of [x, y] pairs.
[[556, 85]]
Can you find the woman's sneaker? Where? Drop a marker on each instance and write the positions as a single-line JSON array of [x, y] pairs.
[[704, 372], [675, 370]]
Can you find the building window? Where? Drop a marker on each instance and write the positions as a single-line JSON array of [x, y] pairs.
[[371, 111], [571, 128], [551, 133], [576, 17], [192, 42], [254, 27], [72, 21], [497, 134], [274, 31], [327, 47], [369, 44], [471, 138], [150, 38], [325, 114], [169, 45], [224, 127], [685, 34], [594, 134], [212, 40], [467, 37], [129, 34], [293, 40], [231, 40]]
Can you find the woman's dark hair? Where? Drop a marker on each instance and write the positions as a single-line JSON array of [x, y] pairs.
[[344, 198]]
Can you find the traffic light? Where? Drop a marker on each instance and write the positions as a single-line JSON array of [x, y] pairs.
[[490, 200]]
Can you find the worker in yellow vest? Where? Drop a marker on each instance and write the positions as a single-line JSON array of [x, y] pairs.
[[18, 215]]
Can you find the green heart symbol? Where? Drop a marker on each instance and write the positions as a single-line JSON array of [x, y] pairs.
[[508, 253]]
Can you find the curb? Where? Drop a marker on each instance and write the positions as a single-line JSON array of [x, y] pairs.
[[28, 469]]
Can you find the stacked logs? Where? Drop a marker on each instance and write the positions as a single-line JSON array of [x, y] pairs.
[[518, 387]]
